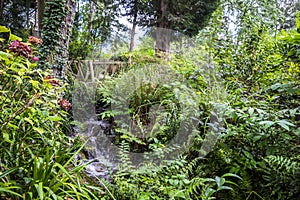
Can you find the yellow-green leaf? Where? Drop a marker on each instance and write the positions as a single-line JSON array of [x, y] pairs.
[[13, 37], [39, 130], [55, 118], [4, 29], [34, 83], [28, 120]]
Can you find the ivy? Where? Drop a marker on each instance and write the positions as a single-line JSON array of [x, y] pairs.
[[53, 49]]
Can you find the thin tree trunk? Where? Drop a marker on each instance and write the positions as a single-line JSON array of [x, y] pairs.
[[1, 9], [92, 13], [134, 22], [41, 9], [27, 5]]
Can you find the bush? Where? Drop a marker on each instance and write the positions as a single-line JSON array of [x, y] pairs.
[[37, 156]]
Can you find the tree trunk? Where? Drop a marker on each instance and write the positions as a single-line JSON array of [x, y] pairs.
[[134, 23], [66, 32], [58, 20], [92, 12], [1, 9], [163, 32], [39, 16], [27, 5]]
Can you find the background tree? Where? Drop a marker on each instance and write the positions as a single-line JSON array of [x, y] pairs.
[[96, 24], [288, 9], [130, 9], [18, 16], [187, 17]]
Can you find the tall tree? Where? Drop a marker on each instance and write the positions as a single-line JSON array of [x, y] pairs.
[[39, 14], [96, 23], [1, 9], [134, 24], [91, 19], [288, 8], [130, 9], [184, 16], [56, 32]]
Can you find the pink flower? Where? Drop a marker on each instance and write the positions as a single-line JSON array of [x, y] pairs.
[[35, 59], [65, 104], [20, 49]]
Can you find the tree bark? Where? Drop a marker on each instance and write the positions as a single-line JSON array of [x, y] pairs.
[[92, 13], [66, 31], [163, 32], [1, 9], [39, 14]]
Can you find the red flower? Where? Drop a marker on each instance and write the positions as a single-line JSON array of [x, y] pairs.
[[65, 104], [20, 49]]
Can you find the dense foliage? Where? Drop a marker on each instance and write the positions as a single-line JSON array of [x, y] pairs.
[[235, 84], [37, 155], [259, 66]]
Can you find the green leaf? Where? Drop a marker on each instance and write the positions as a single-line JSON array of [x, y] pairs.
[[256, 138], [283, 125], [34, 83], [232, 175], [209, 192], [9, 190], [28, 120], [225, 188], [179, 194], [267, 124], [4, 29], [297, 132], [6, 137], [13, 37], [55, 118], [8, 172], [285, 122], [39, 130], [39, 189], [4, 55], [251, 111], [219, 181], [248, 155]]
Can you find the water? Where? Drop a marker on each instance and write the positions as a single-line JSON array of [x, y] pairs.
[[99, 152]]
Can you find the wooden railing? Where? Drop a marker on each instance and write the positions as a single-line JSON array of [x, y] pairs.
[[96, 69]]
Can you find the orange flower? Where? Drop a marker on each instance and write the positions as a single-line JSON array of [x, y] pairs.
[[34, 40]]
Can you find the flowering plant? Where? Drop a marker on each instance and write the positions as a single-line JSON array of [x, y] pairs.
[[20, 49], [23, 50], [34, 40]]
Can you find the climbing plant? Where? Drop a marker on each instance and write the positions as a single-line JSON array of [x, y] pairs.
[[57, 19]]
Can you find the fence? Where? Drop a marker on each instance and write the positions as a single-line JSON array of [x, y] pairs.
[[96, 69]]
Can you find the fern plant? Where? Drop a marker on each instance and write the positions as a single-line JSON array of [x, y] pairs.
[[282, 176]]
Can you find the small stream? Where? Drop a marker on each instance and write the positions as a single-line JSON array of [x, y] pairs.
[[99, 150]]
